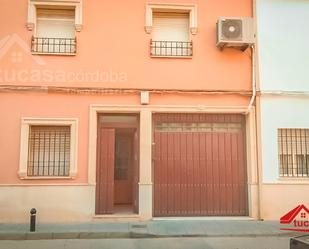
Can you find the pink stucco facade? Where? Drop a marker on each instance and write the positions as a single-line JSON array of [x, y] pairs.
[[112, 52]]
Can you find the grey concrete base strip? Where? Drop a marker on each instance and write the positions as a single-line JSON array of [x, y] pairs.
[[123, 235], [13, 236]]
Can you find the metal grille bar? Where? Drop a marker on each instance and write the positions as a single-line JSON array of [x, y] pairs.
[[49, 151], [171, 48], [53, 45], [293, 145]]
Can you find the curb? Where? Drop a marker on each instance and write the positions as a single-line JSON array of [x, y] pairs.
[[123, 235]]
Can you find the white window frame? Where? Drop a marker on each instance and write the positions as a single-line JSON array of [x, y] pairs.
[[191, 9], [26, 123], [32, 6]]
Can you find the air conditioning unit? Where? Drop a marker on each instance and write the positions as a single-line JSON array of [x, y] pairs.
[[235, 32]]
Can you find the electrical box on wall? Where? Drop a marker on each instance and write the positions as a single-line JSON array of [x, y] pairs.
[[144, 97], [235, 32]]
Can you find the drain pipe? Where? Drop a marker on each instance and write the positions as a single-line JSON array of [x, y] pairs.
[[253, 99], [258, 158], [250, 106], [253, 81]]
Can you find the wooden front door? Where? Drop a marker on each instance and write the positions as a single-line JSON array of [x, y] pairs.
[[123, 167], [105, 171], [117, 163]]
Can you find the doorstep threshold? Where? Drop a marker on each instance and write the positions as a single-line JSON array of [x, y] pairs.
[[210, 218], [116, 216]]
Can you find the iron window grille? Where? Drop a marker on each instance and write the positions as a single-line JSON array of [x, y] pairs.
[[42, 45], [171, 48], [49, 151], [293, 145]]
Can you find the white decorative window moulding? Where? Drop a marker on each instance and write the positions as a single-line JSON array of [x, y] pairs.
[[77, 4], [190, 8], [24, 144]]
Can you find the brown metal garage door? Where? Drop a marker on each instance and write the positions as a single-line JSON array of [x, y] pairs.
[[199, 165]]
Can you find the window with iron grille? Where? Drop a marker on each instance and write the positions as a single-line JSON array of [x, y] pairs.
[[293, 145], [49, 151], [170, 35], [55, 31]]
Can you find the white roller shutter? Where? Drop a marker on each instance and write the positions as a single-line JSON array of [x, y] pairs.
[[55, 23], [170, 26]]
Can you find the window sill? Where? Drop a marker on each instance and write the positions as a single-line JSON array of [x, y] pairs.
[[290, 178], [47, 178], [172, 57], [293, 180], [23, 176], [58, 54]]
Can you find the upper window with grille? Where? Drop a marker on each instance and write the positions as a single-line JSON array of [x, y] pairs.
[[171, 34], [49, 151], [55, 30], [48, 148], [293, 146]]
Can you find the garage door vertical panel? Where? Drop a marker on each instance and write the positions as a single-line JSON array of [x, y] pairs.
[[177, 175], [157, 173], [235, 174], [170, 174], [183, 174], [196, 168], [203, 174], [215, 174], [197, 176], [188, 170], [242, 174], [222, 178], [228, 161], [164, 174], [209, 175]]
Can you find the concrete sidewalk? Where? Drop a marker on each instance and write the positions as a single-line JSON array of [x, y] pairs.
[[149, 229]]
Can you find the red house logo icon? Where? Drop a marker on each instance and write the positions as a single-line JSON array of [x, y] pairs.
[[298, 219]]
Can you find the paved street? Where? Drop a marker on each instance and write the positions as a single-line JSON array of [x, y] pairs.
[[168, 243]]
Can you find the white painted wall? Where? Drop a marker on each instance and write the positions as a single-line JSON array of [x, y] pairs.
[[280, 198], [279, 112], [283, 39]]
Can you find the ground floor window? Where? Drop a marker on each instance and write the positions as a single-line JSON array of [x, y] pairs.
[[49, 151], [293, 145], [48, 148]]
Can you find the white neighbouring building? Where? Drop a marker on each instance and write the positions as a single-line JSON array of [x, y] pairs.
[[283, 103]]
